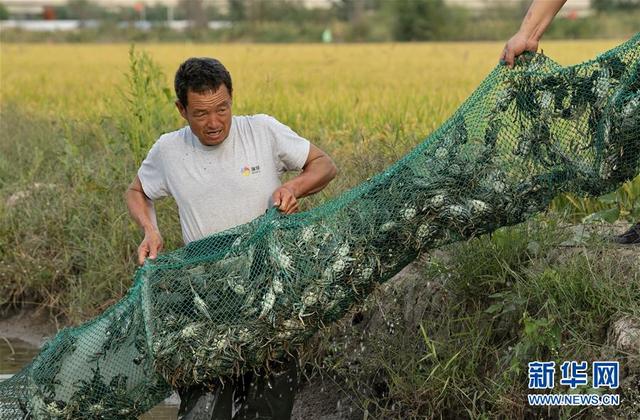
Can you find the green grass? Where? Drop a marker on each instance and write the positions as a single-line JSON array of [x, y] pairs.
[[67, 241], [505, 300]]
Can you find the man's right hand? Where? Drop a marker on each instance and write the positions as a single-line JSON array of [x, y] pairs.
[[150, 246], [142, 210]]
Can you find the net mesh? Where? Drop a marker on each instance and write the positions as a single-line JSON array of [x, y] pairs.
[[237, 299]]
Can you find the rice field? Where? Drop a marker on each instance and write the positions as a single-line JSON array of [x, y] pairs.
[[314, 87], [67, 129]]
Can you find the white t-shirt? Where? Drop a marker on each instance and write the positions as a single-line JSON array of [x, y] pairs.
[[218, 187]]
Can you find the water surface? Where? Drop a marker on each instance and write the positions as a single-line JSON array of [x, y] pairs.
[[15, 354]]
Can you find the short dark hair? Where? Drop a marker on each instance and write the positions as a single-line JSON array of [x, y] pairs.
[[199, 74]]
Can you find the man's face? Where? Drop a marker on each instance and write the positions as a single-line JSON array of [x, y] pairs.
[[208, 114]]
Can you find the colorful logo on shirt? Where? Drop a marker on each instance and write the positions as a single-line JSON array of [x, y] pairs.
[[247, 170]]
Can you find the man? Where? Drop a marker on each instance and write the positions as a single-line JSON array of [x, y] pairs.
[[535, 23], [223, 171]]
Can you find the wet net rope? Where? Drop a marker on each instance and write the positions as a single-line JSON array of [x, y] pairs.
[[237, 299]]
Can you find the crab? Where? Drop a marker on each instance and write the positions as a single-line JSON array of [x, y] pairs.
[[630, 108], [308, 233], [601, 88], [456, 211], [343, 251], [277, 285], [499, 186], [201, 306], [366, 273], [441, 153], [96, 409], [478, 206], [267, 302], [310, 297], [290, 327], [546, 101], [338, 266], [387, 226], [455, 169], [503, 99], [189, 331], [281, 259], [244, 335], [437, 200], [220, 343], [409, 212], [53, 409], [425, 230], [236, 285]]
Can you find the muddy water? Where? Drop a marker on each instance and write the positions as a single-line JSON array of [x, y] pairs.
[[15, 354]]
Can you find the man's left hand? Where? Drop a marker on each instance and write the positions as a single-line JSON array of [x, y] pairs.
[[285, 200]]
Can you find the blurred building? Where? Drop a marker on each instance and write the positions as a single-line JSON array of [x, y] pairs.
[[571, 9], [43, 9], [31, 7], [37, 6]]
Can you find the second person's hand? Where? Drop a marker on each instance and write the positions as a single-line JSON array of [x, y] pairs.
[[515, 46]]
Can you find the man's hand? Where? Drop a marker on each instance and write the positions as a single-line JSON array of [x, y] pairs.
[[150, 246], [143, 212], [285, 200], [518, 44], [317, 172]]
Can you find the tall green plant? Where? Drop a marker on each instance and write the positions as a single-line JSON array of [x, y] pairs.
[[624, 203], [149, 103]]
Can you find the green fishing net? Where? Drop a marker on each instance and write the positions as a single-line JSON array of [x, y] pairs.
[[239, 298]]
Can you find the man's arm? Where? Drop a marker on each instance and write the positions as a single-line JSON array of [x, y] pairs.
[[317, 172], [535, 22], [143, 212]]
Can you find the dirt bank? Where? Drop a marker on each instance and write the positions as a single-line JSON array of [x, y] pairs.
[[29, 325]]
